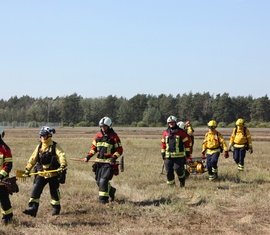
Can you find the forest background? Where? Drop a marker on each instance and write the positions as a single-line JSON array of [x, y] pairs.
[[141, 110]]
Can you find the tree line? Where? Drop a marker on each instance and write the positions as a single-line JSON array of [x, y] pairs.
[[140, 110]]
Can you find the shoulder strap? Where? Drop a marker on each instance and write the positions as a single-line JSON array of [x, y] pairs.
[[53, 148]]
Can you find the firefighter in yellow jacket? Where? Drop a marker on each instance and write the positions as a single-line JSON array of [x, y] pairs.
[[213, 145], [48, 156], [240, 142], [5, 168]]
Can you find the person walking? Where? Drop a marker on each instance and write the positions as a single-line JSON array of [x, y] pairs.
[[5, 168], [212, 146], [107, 145], [49, 159], [240, 142], [190, 131], [175, 151]]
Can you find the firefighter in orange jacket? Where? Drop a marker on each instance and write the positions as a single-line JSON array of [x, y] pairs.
[[5, 168], [240, 142], [175, 151], [47, 156], [212, 146], [108, 147]]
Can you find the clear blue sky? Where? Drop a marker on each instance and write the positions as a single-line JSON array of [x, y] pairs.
[[127, 47]]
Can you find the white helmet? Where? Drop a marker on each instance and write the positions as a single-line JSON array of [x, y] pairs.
[[171, 119], [181, 125], [105, 121], [45, 130]]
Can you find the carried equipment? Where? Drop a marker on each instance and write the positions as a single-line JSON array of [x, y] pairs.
[[120, 163], [10, 184], [196, 166], [21, 173]]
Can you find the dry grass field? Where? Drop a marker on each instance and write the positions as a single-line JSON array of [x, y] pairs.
[[237, 203]]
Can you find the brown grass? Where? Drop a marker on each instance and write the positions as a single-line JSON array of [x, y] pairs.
[[235, 204]]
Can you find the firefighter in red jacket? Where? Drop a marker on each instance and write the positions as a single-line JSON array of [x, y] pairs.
[[47, 156], [175, 151], [190, 131], [5, 168], [212, 146], [240, 142], [108, 147]]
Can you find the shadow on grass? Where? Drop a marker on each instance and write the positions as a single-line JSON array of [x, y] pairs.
[[156, 202], [237, 179], [75, 212], [79, 223]]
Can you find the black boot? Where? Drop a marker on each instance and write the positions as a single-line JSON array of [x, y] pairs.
[[56, 209], [182, 182], [32, 209], [103, 200], [112, 193], [7, 218]]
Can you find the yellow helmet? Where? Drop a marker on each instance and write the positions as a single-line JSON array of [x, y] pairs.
[[212, 123], [240, 122]]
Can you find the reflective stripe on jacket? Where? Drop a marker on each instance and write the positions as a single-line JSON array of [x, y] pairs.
[[175, 143]]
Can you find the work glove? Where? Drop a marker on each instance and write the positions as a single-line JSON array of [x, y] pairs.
[[203, 155], [163, 155], [226, 154], [1, 177], [87, 158], [250, 150], [61, 169], [26, 173]]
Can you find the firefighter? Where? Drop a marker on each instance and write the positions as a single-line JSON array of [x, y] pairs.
[[107, 145], [212, 146], [5, 168], [175, 151], [183, 126], [240, 142], [190, 131], [47, 156]]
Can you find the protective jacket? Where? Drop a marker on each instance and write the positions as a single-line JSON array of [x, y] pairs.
[[213, 142], [5, 160], [106, 145], [47, 156], [5, 168], [175, 143], [190, 130], [241, 137], [108, 148]]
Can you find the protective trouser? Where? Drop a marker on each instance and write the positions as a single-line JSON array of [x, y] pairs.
[[5, 204], [211, 164], [104, 173], [39, 184], [176, 165], [239, 155]]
